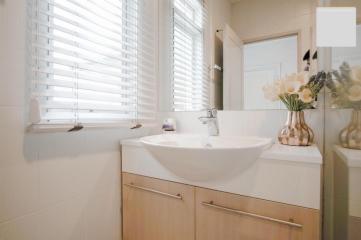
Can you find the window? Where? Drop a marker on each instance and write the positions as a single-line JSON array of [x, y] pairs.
[[264, 62], [189, 70], [93, 61]]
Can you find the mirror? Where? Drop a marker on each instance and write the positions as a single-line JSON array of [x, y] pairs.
[[262, 41], [221, 53]]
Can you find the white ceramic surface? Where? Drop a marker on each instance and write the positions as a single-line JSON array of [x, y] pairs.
[[351, 157], [349, 178], [281, 174], [197, 157]]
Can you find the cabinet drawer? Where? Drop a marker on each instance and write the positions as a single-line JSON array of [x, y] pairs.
[[222, 215], [157, 210]]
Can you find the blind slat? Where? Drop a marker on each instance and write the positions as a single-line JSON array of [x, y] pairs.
[[84, 75]]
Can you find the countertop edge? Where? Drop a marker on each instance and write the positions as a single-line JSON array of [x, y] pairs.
[[348, 155]]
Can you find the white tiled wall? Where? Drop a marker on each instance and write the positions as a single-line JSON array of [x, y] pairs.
[[63, 186], [265, 123], [56, 186]]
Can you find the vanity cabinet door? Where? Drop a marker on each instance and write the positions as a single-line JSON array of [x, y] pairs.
[[157, 210], [221, 216]]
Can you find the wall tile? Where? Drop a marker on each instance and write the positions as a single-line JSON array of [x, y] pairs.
[[12, 48], [51, 222], [62, 221], [244, 123], [19, 192], [24, 228], [102, 169], [102, 216], [55, 185], [67, 186], [75, 220], [13, 147]]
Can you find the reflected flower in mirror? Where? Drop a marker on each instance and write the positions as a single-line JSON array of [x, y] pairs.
[[345, 89]]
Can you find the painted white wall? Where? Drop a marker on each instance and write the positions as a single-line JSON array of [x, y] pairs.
[[57, 186], [220, 15], [255, 19], [233, 86], [265, 62]]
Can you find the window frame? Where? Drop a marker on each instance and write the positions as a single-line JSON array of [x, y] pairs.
[[202, 34], [34, 108]]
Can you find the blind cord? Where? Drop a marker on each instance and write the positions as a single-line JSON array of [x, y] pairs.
[[77, 126], [136, 123]]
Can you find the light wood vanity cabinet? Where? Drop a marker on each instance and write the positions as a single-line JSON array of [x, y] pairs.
[[153, 210], [222, 215]]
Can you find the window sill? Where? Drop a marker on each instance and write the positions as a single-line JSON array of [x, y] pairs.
[[55, 128]]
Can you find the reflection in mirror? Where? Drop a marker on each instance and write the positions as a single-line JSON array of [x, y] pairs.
[[265, 61], [190, 92], [345, 91], [219, 53], [272, 37], [343, 143]]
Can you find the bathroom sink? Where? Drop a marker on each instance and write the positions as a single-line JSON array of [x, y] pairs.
[[202, 158]]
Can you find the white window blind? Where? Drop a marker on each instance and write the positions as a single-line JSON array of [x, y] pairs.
[[93, 61], [190, 70]]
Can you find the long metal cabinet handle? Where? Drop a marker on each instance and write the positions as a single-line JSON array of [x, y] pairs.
[[231, 210], [178, 196]]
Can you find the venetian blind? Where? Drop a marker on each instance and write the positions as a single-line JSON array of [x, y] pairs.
[[93, 61], [189, 71]]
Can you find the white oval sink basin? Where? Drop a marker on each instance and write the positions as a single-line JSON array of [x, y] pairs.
[[201, 158]]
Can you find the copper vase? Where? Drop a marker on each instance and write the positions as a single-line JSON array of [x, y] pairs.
[[296, 132], [350, 137]]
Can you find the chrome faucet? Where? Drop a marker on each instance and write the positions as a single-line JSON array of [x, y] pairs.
[[212, 121]]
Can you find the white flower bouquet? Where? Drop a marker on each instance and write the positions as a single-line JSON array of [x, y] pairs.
[[297, 91]]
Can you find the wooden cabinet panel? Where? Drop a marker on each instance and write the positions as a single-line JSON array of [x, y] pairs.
[[220, 220], [152, 210]]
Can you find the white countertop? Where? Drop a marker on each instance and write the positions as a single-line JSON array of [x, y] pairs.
[[349, 178], [277, 151], [309, 154], [350, 156]]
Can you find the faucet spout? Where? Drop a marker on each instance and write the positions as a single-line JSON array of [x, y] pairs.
[[211, 121], [204, 120]]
